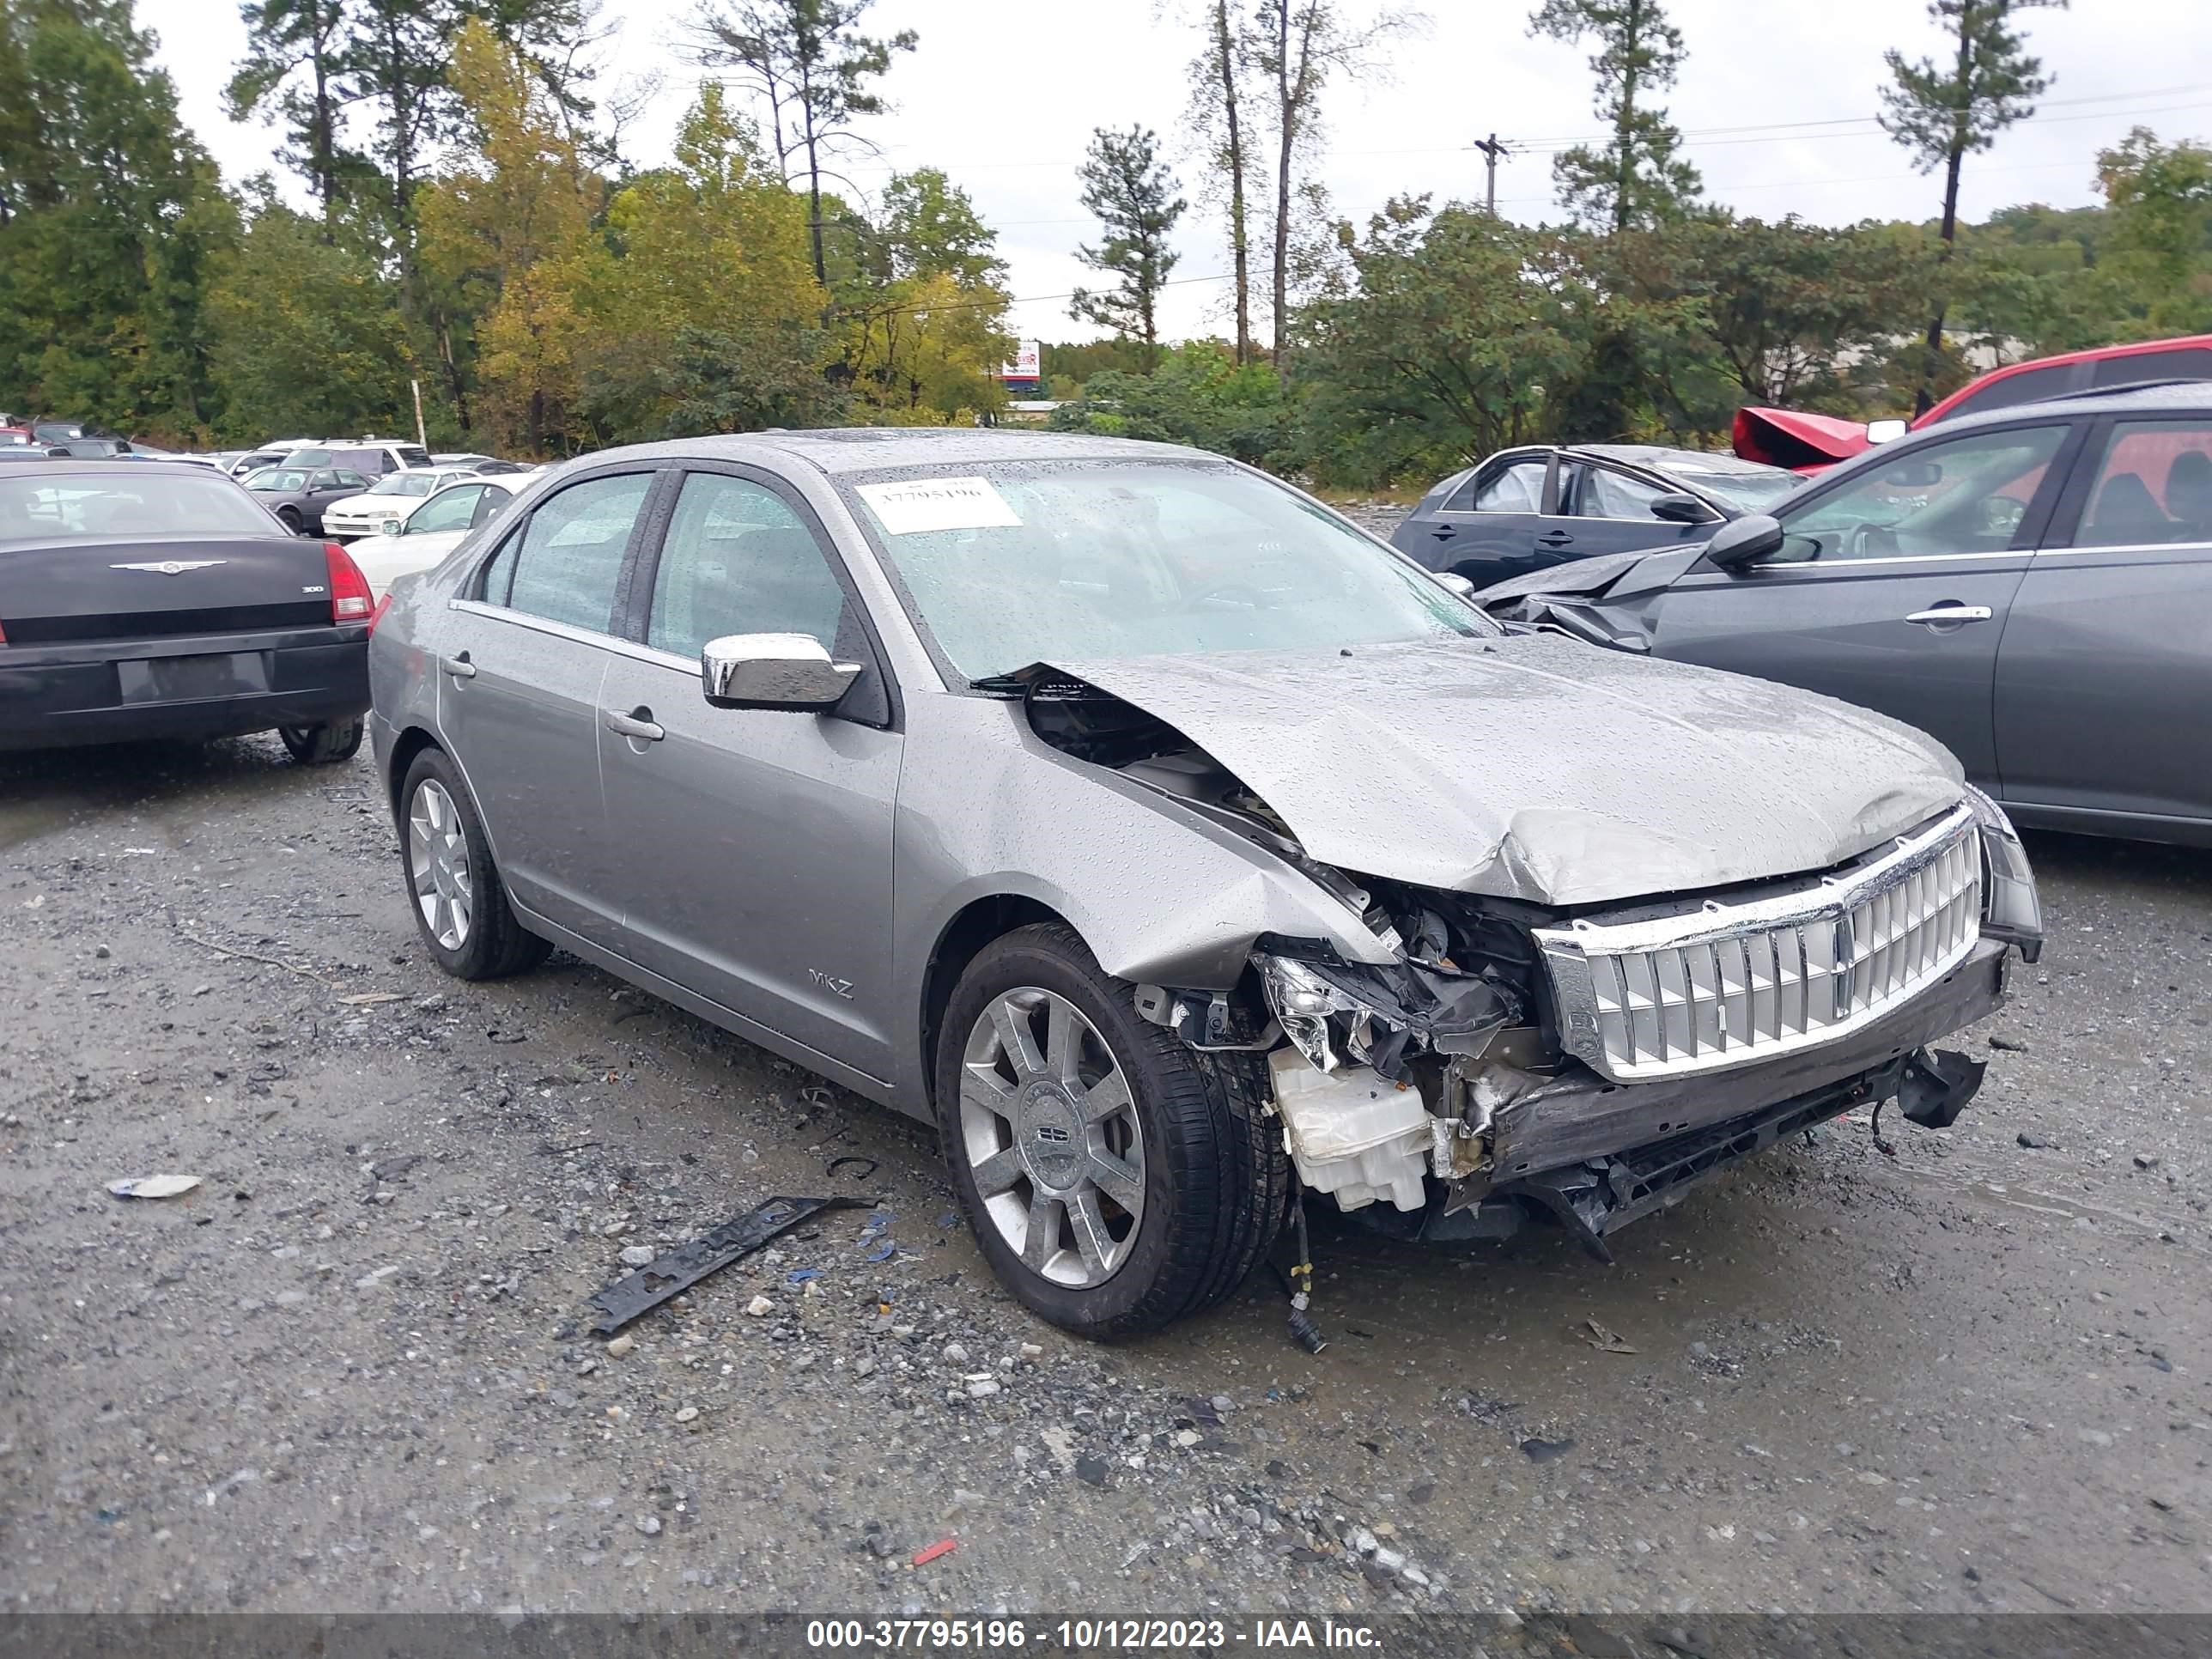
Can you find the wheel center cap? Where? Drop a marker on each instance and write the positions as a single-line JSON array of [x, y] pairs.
[[1052, 1138]]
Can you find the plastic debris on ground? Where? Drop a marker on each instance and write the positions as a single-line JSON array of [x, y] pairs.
[[942, 1547], [1605, 1340], [159, 1186], [678, 1269]]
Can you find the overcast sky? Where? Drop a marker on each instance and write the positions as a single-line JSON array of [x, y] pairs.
[[1777, 100]]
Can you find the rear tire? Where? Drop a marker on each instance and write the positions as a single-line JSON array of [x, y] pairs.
[[1205, 1182], [325, 745], [453, 888]]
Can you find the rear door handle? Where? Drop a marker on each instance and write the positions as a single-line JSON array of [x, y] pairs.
[[1952, 613], [1444, 532], [634, 725], [460, 667], [1555, 538]]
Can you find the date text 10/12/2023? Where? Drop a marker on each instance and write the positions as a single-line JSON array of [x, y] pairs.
[[1012, 1635]]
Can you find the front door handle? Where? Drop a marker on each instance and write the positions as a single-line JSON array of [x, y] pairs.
[[1444, 532], [460, 667], [1952, 613], [1554, 538], [634, 725]]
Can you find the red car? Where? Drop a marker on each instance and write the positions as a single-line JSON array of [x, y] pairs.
[[1809, 443]]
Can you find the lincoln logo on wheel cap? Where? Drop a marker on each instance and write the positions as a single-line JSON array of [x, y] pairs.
[[171, 566]]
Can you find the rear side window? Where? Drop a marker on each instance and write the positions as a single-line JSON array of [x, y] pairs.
[[1604, 494], [2013, 389], [2154, 485], [1517, 489], [738, 560], [2194, 363], [570, 559]]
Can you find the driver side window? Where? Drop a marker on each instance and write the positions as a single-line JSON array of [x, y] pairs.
[[1966, 495]]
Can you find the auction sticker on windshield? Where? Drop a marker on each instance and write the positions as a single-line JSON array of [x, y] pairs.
[[913, 506]]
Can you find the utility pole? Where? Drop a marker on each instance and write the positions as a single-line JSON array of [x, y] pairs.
[[1493, 152]]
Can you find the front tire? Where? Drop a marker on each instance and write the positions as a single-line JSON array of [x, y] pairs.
[[325, 745], [1115, 1179], [453, 885], [290, 518]]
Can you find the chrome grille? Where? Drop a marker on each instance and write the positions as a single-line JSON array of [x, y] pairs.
[[1731, 984]]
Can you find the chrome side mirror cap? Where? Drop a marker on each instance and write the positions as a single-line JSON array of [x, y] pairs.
[[1457, 583], [788, 672], [1886, 432]]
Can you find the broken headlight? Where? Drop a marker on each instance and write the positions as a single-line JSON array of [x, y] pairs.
[[1303, 1003], [2010, 910]]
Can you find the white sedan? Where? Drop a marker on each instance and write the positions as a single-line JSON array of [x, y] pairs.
[[384, 506], [433, 529]]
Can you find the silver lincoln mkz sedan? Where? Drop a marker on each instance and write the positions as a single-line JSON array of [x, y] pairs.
[[1179, 848]]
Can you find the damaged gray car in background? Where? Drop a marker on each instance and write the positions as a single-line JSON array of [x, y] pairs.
[[1182, 852]]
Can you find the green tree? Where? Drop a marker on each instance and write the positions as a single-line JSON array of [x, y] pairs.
[[1636, 178], [1132, 193], [700, 308], [1943, 112], [109, 216], [1199, 394], [1452, 341], [809, 65], [927, 227], [507, 224], [305, 335], [295, 72], [2161, 201]]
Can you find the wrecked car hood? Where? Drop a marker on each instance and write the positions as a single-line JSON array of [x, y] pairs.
[[1615, 575], [1535, 768]]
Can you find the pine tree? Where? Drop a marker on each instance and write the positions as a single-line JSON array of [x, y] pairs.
[[1131, 192], [1941, 111]]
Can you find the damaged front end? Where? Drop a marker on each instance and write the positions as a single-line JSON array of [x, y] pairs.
[[1512, 1065], [1498, 1060]]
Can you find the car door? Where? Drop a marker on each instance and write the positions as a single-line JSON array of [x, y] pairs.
[[2106, 668], [1606, 509], [518, 696], [755, 846], [1485, 530], [1892, 585]]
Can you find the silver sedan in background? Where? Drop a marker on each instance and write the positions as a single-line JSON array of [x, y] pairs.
[[1175, 847]]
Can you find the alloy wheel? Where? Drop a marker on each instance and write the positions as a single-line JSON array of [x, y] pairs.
[[438, 864], [1052, 1137]]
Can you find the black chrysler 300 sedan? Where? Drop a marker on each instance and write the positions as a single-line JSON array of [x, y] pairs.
[[157, 600]]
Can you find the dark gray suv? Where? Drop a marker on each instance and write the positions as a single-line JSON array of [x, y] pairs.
[[2033, 587]]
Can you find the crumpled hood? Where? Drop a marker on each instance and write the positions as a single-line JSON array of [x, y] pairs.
[[1537, 768]]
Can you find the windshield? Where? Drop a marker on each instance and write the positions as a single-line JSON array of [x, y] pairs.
[[1747, 492], [1020, 562], [40, 508], [404, 483], [279, 478]]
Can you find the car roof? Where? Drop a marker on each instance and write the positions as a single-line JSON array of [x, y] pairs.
[[1666, 457], [110, 466], [2180, 398], [835, 450]]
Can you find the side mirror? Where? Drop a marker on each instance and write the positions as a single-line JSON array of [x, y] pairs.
[[1886, 432], [1681, 508], [1743, 543], [1457, 583], [788, 672]]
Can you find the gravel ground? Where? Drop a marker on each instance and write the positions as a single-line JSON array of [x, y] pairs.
[[349, 1371]]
